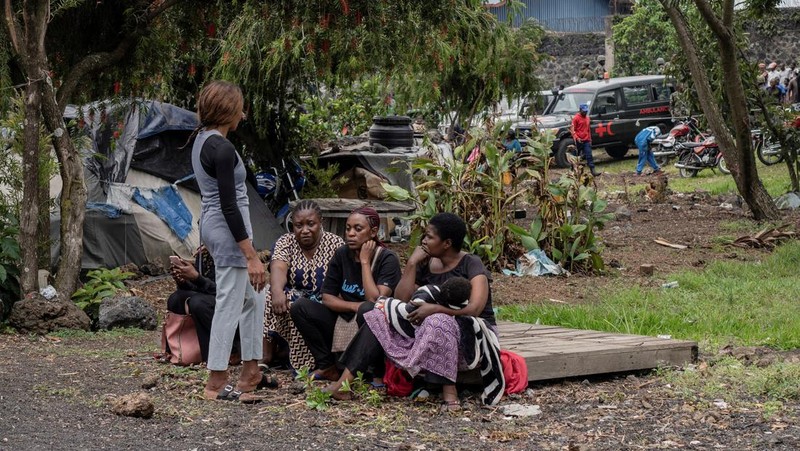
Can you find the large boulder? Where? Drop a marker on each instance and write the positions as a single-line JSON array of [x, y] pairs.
[[126, 311], [37, 315]]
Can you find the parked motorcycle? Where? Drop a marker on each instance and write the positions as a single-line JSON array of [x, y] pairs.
[[280, 185], [668, 146], [768, 150], [698, 156]]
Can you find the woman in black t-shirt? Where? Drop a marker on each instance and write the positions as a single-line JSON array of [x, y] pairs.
[[435, 348], [359, 272]]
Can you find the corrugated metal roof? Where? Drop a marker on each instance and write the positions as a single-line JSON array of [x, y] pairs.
[[560, 15]]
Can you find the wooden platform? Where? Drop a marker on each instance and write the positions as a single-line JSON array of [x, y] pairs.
[[335, 212], [555, 352]]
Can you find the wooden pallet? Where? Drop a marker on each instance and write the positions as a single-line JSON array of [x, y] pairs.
[[555, 352]]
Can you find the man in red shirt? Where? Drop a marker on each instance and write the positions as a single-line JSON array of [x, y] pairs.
[[582, 135]]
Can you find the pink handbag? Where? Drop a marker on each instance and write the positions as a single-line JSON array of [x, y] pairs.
[[179, 342]]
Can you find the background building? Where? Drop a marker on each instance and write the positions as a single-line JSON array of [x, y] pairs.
[[572, 16]]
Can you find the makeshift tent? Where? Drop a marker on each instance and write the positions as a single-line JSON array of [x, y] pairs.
[[143, 202]]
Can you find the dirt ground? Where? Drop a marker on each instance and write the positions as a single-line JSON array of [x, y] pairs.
[[56, 392]]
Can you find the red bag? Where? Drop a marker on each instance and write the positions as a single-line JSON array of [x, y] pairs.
[[179, 341], [515, 372], [398, 382]]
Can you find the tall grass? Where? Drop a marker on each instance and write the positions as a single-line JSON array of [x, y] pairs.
[[739, 303]]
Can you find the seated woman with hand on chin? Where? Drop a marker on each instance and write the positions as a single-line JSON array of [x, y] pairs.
[[358, 274]]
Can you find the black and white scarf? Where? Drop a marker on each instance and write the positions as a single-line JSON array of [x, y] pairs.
[[479, 344]]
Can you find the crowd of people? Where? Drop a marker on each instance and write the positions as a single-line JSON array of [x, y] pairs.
[[318, 280], [779, 81]]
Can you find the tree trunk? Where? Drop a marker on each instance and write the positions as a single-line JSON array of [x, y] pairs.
[[73, 193], [29, 214], [735, 146], [43, 239]]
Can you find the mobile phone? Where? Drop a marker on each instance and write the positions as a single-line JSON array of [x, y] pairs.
[[174, 260]]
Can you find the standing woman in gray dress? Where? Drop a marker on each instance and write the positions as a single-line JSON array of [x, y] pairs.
[[226, 231]]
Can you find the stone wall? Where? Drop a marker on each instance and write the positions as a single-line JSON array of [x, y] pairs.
[[776, 39], [568, 51], [772, 39]]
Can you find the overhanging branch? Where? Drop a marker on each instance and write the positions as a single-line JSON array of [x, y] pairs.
[[711, 18], [13, 26], [101, 60]]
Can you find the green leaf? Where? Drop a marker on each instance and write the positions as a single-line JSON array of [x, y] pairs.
[[536, 227], [581, 256], [529, 242], [517, 230], [395, 192], [599, 205], [3, 274]]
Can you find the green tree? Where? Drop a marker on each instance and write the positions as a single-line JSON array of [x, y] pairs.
[[451, 52], [31, 53], [731, 126], [642, 37]]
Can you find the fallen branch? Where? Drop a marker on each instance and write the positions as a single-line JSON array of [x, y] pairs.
[[663, 242]]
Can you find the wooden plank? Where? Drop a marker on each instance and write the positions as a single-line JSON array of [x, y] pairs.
[[560, 366], [553, 352]]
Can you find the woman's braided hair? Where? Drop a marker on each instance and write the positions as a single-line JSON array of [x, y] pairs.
[[307, 204]]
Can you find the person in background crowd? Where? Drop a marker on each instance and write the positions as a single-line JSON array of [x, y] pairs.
[[585, 74], [660, 66], [643, 140], [511, 143], [775, 91], [792, 91], [600, 69], [582, 135], [772, 72], [763, 75]]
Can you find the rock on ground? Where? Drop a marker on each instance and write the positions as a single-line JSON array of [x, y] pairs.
[[519, 410], [37, 315], [126, 311], [138, 405]]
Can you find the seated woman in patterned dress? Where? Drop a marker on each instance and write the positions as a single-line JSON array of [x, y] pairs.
[[298, 267], [359, 273], [436, 347]]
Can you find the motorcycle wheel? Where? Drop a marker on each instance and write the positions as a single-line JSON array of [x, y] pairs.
[[768, 154], [662, 160], [687, 173], [722, 166]]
